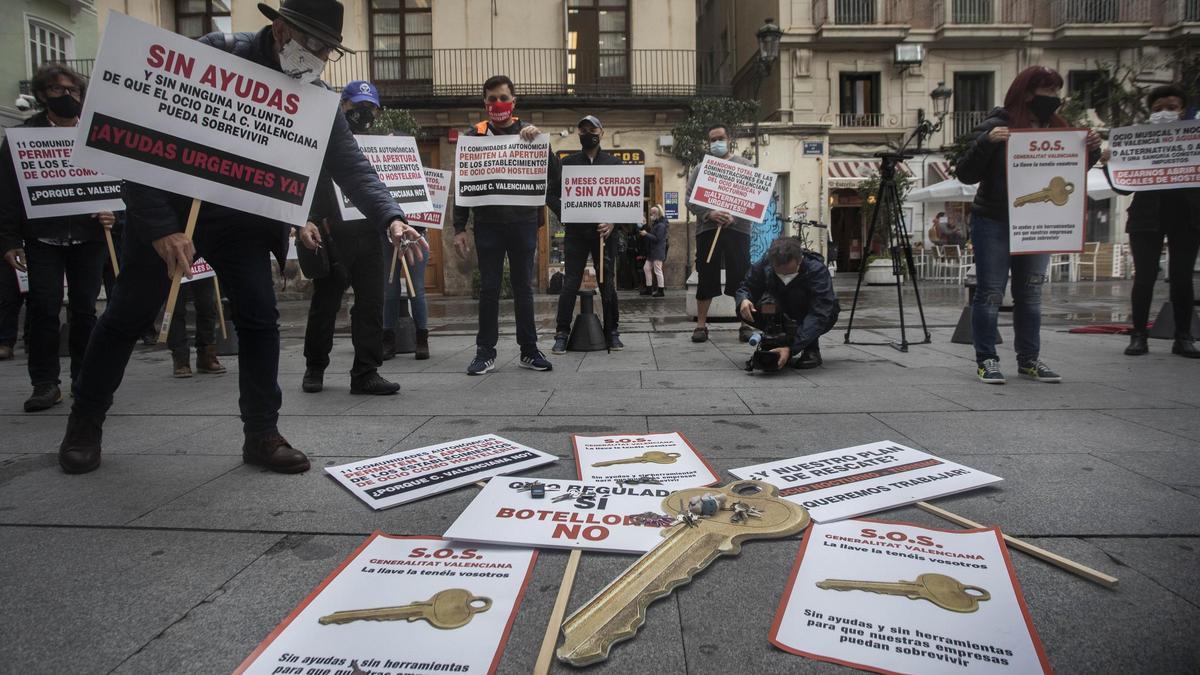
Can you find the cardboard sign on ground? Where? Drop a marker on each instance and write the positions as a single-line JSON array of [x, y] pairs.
[[50, 183], [389, 571], [736, 188], [864, 479], [398, 163], [409, 475], [900, 632], [1047, 190], [1155, 156], [602, 194], [573, 514], [683, 466], [501, 170], [171, 112]]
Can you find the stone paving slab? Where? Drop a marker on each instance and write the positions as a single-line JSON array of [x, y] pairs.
[[833, 399], [1022, 394], [548, 433], [1173, 564], [1177, 469], [1181, 422], [450, 402], [641, 402], [728, 442], [123, 433], [316, 435]]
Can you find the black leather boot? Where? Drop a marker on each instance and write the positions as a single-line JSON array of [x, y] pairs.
[[389, 344], [274, 452], [373, 385], [422, 345], [1185, 346], [1137, 344], [79, 451], [314, 381]]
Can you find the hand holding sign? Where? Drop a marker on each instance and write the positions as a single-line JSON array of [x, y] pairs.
[[16, 258], [177, 251]]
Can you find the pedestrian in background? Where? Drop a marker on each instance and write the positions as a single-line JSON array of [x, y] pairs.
[[202, 295], [655, 236]]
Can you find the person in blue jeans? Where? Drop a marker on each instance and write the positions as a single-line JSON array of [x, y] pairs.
[[1032, 101], [392, 297]]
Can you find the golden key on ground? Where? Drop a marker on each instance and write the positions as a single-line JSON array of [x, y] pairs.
[[943, 591], [1058, 193], [448, 609], [689, 546], [653, 456]]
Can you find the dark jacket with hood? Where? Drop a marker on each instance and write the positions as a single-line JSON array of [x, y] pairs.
[[17, 228], [1158, 210], [504, 214], [656, 239], [809, 299], [986, 163], [154, 213], [554, 189]]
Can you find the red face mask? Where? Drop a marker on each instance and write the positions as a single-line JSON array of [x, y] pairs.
[[500, 112]]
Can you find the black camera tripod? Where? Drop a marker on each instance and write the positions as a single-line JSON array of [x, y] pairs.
[[887, 204]]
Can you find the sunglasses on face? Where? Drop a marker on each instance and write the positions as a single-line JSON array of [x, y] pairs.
[[317, 46]]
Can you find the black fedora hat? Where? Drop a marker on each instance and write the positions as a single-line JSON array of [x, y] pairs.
[[321, 19]]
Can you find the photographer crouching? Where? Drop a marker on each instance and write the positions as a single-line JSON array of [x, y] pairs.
[[788, 296]]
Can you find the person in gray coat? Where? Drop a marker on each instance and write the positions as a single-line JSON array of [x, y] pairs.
[[655, 237]]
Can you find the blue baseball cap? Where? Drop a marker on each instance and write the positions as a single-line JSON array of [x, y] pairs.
[[361, 90]]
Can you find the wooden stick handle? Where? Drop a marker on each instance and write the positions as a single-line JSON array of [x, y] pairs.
[[412, 292], [542, 665], [601, 279], [713, 247], [220, 308], [173, 296], [392, 272], [112, 252], [1067, 564]]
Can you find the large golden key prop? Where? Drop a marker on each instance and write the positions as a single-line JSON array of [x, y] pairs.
[[739, 511], [1058, 192]]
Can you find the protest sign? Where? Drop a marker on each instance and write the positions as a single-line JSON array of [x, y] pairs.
[[1155, 156], [573, 514], [742, 190], [984, 628], [438, 184], [190, 119], [200, 270], [669, 459], [398, 163], [23, 281], [321, 635], [50, 183], [410, 475], [863, 479], [1047, 190], [602, 194], [495, 170]]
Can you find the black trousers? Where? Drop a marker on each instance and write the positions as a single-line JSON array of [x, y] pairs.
[[577, 246], [83, 265], [357, 263], [204, 301], [733, 250], [1182, 244], [11, 299]]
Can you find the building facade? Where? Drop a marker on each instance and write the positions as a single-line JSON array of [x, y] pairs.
[[38, 31]]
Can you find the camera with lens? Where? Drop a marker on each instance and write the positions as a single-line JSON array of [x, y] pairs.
[[773, 329]]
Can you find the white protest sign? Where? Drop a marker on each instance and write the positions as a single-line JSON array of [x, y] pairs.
[[187, 118], [573, 514], [200, 270], [438, 184], [495, 170], [864, 479], [741, 190], [398, 163], [898, 633], [602, 194], [50, 183], [393, 571], [22, 281], [409, 475], [1155, 156], [1047, 190], [673, 462]]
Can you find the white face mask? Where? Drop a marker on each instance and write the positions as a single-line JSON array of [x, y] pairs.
[[298, 62], [787, 278], [1164, 117], [944, 220]]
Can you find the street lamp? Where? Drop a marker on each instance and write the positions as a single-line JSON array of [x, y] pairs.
[[768, 36], [941, 103]]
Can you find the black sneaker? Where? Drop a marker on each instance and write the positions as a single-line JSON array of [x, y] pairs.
[[809, 358], [560, 344], [481, 364], [989, 372], [614, 342], [45, 396], [314, 381], [536, 361], [373, 385], [1038, 372]]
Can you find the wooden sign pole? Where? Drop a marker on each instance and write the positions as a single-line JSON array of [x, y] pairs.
[[412, 292], [601, 279], [220, 308], [112, 252], [712, 248], [173, 296], [392, 271], [546, 653]]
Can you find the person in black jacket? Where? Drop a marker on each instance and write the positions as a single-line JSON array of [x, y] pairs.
[[1032, 101], [582, 240], [1154, 214], [803, 288], [50, 247], [655, 236], [302, 36], [502, 231]]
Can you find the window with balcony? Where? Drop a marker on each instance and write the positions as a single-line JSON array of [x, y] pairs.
[[597, 43], [401, 40], [196, 18], [854, 12], [972, 11], [972, 100], [859, 100], [1091, 11], [1087, 86], [46, 45]]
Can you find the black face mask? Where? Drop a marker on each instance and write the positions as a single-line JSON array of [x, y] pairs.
[[64, 106], [589, 141], [1044, 107], [360, 119]]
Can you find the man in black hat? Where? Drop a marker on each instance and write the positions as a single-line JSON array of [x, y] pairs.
[[582, 240], [303, 35]]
